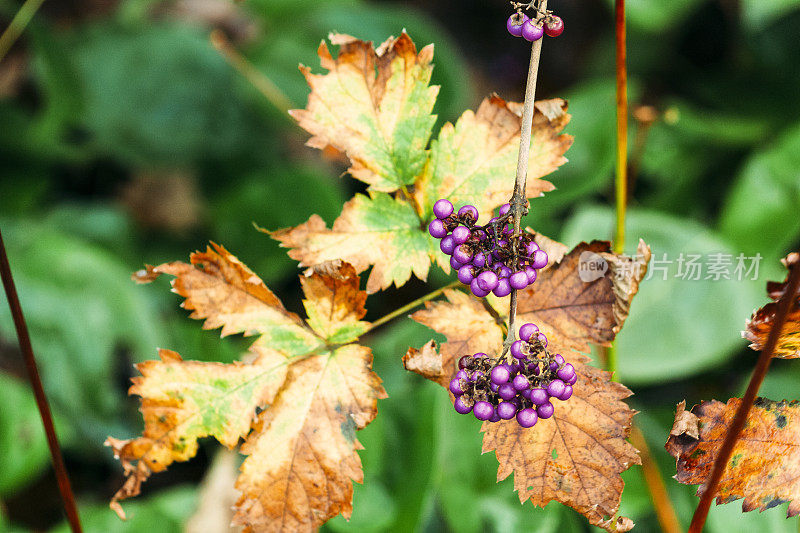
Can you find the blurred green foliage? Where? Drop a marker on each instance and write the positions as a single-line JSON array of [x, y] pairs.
[[96, 102]]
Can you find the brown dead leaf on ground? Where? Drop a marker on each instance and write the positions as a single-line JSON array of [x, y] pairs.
[[575, 457], [297, 405], [764, 468], [760, 324]]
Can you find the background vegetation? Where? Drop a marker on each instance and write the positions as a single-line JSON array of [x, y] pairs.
[[126, 138]]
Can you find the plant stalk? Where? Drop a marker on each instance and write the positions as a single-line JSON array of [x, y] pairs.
[[621, 181], [411, 305], [764, 360], [519, 199], [18, 25], [62, 477]]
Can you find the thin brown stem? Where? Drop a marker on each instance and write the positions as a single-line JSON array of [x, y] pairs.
[[784, 305], [25, 346], [519, 199], [621, 181]]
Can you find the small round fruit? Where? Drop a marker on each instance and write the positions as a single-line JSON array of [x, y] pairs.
[[442, 209], [531, 273], [567, 394], [515, 22], [559, 359], [454, 264], [518, 280], [531, 32], [543, 339], [521, 382], [470, 210], [455, 387], [506, 410], [477, 290], [507, 391], [461, 235], [487, 281], [504, 209], [565, 374], [539, 259], [527, 331], [539, 396], [461, 374], [495, 416], [463, 405], [483, 410], [554, 26], [500, 375], [466, 274], [573, 379], [545, 410], [531, 248], [447, 245], [479, 260], [462, 254], [436, 228], [517, 349], [527, 418], [556, 388], [503, 288]]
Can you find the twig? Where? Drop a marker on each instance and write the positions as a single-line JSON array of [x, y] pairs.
[[622, 128], [257, 78], [411, 305], [18, 25], [665, 512], [784, 305], [519, 200], [38, 391]]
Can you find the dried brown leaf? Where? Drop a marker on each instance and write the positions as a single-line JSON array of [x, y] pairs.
[[760, 324], [764, 468]]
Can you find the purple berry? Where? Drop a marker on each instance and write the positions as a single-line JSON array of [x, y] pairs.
[[461, 374], [500, 375], [462, 254], [479, 260], [531, 32], [506, 410], [504, 209], [567, 394], [556, 388], [518, 280], [517, 349], [545, 410], [565, 374], [477, 290], [463, 405], [553, 366], [447, 245], [470, 210], [559, 359], [495, 416], [538, 396], [455, 387], [521, 382], [526, 394], [480, 355], [527, 418], [528, 330], [554, 26], [454, 264], [539, 259], [493, 386], [483, 410], [475, 376], [543, 339], [506, 391], [466, 274], [503, 288], [442, 209], [514, 367], [534, 368], [504, 272], [515, 22], [464, 361], [531, 273], [531, 248], [436, 228], [573, 379], [487, 281], [461, 235]]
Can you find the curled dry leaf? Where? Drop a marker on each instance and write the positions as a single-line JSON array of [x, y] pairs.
[[313, 385], [764, 468], [575, 457], [374, 104], [760, 324], [427, 362]]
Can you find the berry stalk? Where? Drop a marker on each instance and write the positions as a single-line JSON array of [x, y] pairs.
[[519, 200]]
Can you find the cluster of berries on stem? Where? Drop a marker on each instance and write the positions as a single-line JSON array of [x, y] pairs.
[[533, 28], [521, 388], [488, 258]]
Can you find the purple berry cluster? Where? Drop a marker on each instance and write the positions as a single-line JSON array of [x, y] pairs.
[[486, 257], [494, 389], [533, 29]]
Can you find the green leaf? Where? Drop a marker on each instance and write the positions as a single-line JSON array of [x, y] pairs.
[[374, 105], [658, 15], [758, 14], [23, 448], [760, 213], [676, 327]]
